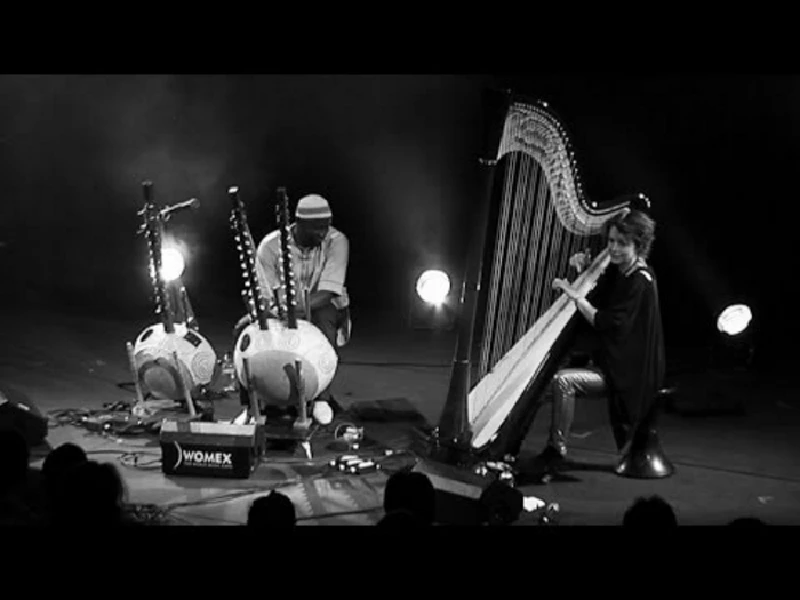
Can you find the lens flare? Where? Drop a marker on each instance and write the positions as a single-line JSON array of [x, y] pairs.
[[172, 264], [433, 287]]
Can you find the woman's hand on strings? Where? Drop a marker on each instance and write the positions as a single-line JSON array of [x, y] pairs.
[[563, 284], [581, 260]]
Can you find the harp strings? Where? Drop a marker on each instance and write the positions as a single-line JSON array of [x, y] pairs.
[[500, 285], [531, 248], [512, 271], [525, 259], [491, 320]]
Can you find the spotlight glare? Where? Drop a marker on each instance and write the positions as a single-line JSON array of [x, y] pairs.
[[734, 319], [172, 264], [433, 287]]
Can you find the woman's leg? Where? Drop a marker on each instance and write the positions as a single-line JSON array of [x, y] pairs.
[[566, 385]]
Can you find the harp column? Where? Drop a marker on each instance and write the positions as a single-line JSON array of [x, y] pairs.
[[454, 430]]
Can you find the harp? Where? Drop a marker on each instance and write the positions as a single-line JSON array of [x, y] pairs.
[[513, 327]]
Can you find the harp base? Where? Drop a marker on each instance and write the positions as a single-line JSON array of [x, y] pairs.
[[454, 429], [453, 451], [645, 458]]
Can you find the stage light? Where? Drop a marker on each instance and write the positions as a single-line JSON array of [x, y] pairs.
[[172, 264], [734, 319], [433, 287], [733, 349]]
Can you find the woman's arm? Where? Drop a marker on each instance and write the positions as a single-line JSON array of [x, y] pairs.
[[614, 317], [586, 309], [584, 306], [619, 316]]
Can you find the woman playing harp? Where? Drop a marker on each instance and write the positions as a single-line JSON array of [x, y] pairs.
[[622, 325]]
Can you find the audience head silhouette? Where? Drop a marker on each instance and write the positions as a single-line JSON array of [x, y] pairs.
[[501, 504], [653, 511], [401, 519], [14, 460], [273, 510], [58, 462], [411, 492], [89, 493]]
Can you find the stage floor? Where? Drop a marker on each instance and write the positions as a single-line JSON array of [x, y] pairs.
[[728, 465]]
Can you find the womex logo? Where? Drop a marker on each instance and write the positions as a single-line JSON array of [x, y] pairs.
[[199, 458]]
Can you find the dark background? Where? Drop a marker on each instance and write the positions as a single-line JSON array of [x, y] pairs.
[[396, 157]]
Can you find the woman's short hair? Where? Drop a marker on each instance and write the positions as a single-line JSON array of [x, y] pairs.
[[636, 226]]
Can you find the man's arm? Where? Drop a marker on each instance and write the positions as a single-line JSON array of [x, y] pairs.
[[320, 298], [267, 269], [332, 278]]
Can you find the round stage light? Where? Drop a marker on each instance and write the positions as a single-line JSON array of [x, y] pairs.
[[172, 264], [734, 319], [433, 287]]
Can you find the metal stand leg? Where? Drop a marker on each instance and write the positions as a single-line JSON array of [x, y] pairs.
[[255, 409], [306, 445], [184, 390], [188, 313], [296, 381], [139, 408]]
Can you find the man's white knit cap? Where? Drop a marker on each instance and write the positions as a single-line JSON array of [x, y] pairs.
[[313, 206]]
